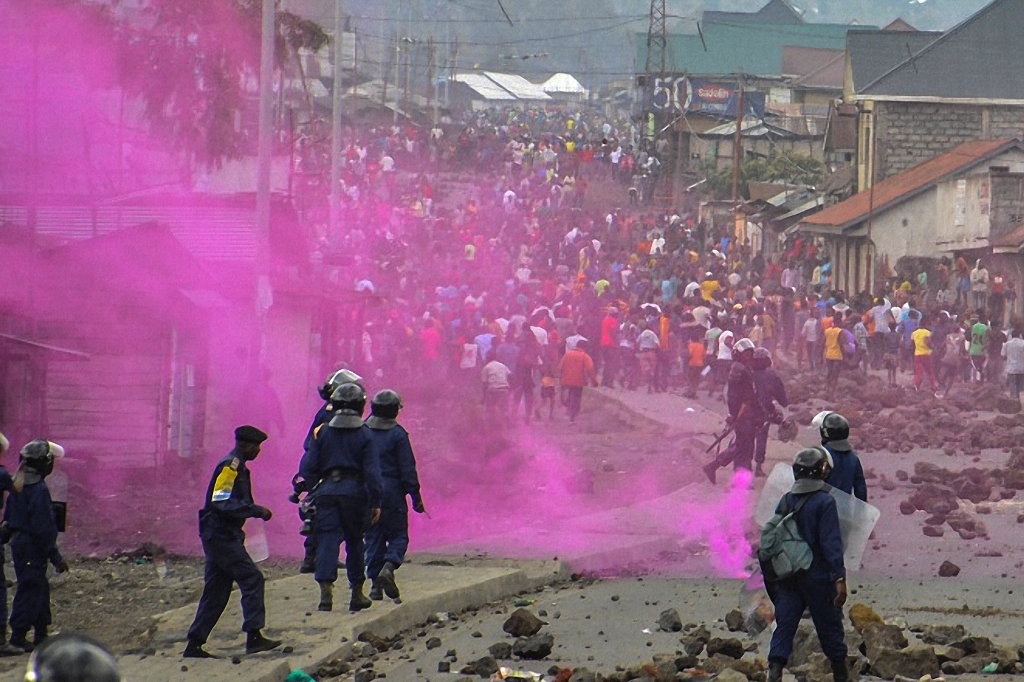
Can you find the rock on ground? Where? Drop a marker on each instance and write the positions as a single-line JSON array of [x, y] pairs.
[[522, 623], [914, 662], [669, 621], [534, 648], [948, 570]]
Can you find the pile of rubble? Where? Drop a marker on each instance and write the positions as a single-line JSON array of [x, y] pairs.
[[901, 419]]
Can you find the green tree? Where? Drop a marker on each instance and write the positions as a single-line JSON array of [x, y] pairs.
[[782, 165], [194, 63]]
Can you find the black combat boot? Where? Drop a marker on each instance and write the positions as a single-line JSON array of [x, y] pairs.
[[326, 596], [387, 580], [359, 600], [308, 563], [711, 470], [19, 639], [256, 643], [376, 591], [775, 670], [840, 671], [196, 650]]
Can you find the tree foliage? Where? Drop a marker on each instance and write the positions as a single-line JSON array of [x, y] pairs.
[[195, 65], [782, 166]]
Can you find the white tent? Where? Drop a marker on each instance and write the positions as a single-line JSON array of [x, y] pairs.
[[563, 84]]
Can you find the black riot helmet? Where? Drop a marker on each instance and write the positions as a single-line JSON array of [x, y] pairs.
[[39, 456], [349, 397], [835, 432], [342, 376], [762, 359], [386, 404], [811, 463]]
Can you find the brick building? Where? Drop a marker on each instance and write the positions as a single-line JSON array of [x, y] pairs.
[[920, 94]]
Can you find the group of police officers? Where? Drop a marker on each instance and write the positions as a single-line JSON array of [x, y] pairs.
[[356, 476], [353, 481]]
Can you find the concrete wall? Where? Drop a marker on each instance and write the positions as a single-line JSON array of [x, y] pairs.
[[907, 229], [910, 133]]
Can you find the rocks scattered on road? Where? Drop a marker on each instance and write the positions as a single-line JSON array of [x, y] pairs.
[[522, 623], [534, 648], [669, 621], [948, 570]]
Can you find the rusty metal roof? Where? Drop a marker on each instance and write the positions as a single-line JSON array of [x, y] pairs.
[[909, 183]]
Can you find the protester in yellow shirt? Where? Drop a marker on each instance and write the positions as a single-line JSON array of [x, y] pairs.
[[833, 359], [923, 357]]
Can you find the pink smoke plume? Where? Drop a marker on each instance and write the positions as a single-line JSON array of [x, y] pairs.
[[722, 525]]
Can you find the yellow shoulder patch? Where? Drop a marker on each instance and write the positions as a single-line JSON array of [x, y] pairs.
[[224, 484]]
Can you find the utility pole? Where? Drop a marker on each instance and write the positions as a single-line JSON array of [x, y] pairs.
[[336, 111], [431, 100], [737, 144], [266, 136], [657, 42]]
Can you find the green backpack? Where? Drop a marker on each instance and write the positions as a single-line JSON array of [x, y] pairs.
[[783, 552]]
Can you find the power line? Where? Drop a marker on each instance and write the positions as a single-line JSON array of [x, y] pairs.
[[517, 41]]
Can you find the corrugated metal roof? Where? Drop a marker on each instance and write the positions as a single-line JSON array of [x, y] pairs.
[[208, 232], [908, 183], [484, 86], [978, 59], [563, 83], [518, 86], [775, 12]]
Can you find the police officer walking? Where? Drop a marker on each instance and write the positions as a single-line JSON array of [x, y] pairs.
[[387, 542], [821, 588], [323, 415], [847, 472], [228, 504], [770, 391], [745, 413], [33, 526], [342, 462]]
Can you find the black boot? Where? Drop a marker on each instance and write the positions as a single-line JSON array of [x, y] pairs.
[[359, 600], [387, 580], [39, 636], [775, 671], [326, 596], [308, 564], [196, 650], [376, 591], [20, 640], [710, 470], [840, 671], [256, 643]]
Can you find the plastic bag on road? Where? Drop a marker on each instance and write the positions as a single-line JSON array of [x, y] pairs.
[[856, 518]]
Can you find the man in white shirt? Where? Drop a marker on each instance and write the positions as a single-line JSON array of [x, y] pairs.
[[495, 377], [1013, 352]]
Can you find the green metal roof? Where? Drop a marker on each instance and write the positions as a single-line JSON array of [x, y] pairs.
[[753, 49]]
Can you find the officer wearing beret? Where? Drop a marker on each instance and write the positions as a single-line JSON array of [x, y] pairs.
[[228, 504]]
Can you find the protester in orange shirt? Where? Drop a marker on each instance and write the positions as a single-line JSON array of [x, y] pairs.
[[576, 370]]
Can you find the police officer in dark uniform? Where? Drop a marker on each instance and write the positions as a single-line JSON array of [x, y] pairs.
[[6, 486], [821, 589], [745, 413], [323, 415], [387, 542], [847, 472], [30, 519], [228, 504], [342, 462], [770, 391]]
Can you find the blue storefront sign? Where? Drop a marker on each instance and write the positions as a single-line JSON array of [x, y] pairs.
[[682, 94]]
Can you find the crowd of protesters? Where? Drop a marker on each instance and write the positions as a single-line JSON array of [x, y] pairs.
[[519, 289]]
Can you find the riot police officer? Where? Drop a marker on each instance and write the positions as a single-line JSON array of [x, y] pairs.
[[745, 413], [770, 391], [342, 463], [323, 415], [821, 588], [387, 542], [228, 504], [847, 472], [33, 526]]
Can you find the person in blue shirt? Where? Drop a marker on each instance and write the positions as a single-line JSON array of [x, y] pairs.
[[30, 520], [227, 505], [342, 463], [323, 415], [821, 588], [847, 472], [388, 541]]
